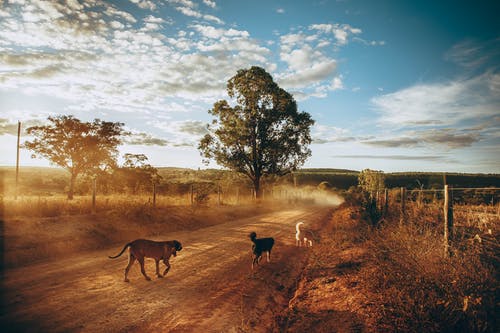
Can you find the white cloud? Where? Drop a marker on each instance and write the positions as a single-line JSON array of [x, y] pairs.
[[145, 4], [440, 104], [210, 3], [341, 32], [316, 72], [189, 8], [337, 83]]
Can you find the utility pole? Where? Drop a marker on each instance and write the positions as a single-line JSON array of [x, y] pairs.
[[17, 158]]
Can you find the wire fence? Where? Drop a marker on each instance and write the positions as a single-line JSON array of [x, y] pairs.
[[473, 212]]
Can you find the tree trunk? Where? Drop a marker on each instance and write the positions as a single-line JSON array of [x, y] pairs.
[[72, 182], [256, 186]]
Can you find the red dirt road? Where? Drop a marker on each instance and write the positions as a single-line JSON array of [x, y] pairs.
[[210, 287]]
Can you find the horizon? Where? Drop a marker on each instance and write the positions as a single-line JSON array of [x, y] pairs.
[[391, 85], [298, 170]]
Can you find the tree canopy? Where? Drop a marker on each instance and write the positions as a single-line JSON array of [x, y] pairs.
[[263, 134], [79, 147], [371, 180]]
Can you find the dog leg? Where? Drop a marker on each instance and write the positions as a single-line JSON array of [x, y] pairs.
[[167, 263], [143, 271], [268, 256], [255, 261], [131, 259], [157, 262]]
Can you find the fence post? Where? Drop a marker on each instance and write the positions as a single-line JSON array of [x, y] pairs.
[[192, 194], [403, 201], [386, 201], [218, 195], [154, 195], [17, 159], [93, 195], [448, 220]]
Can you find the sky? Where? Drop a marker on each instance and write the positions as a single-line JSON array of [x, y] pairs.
[[392, 85]]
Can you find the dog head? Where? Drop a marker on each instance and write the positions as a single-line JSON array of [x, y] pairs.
[[252, 235], [177, 247]]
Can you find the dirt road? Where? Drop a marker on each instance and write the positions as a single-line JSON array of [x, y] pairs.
[[210, 287]]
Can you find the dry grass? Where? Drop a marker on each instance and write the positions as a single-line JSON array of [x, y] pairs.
[[59, 205], [422, 290]]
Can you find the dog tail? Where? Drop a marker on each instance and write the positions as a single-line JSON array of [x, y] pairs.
[[297, 226], [252, 236], [123, 250]]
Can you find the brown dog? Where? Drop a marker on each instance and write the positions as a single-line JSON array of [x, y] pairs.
[[144, 248]]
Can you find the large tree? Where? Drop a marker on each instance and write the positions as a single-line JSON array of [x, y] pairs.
[[263, 134], [79, 147]]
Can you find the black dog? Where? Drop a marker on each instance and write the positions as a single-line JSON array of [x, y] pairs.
[[261, 245]]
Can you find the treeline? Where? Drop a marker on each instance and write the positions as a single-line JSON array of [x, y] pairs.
[[134, 180], [344, 179]]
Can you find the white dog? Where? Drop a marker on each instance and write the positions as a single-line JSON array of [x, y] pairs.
[[300, 236]]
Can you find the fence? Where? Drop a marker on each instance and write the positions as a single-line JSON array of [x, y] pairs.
[[200, 193], [448, 196]]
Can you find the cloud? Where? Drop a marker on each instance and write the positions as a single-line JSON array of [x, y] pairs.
[[471, 54], [341, 32], [447, 138], [405, 142], [397, 157], [144, 139], [145, 4], [318, 71], [337, 83], [280, 11], [7, 127], [311, 65], [441, 104], [322, 134], [210, 3], [189, 8], [10, 127], [95, 56], [194, 127]]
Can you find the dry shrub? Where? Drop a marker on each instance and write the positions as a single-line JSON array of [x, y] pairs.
[[422, 290]]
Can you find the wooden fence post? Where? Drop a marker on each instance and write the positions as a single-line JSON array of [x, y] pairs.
[[192, 194], [403, 201], [386, 201], [154, 195], [218, 195], [448, 219], [93, 195], [17, 159]]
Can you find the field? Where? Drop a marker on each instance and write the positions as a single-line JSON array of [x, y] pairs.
[[368, 270]]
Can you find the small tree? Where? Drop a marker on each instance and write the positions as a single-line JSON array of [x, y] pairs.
[[371, 180], [79, 147], [263, 134]]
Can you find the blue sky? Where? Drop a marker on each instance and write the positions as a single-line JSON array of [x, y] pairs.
[[392, 85]]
